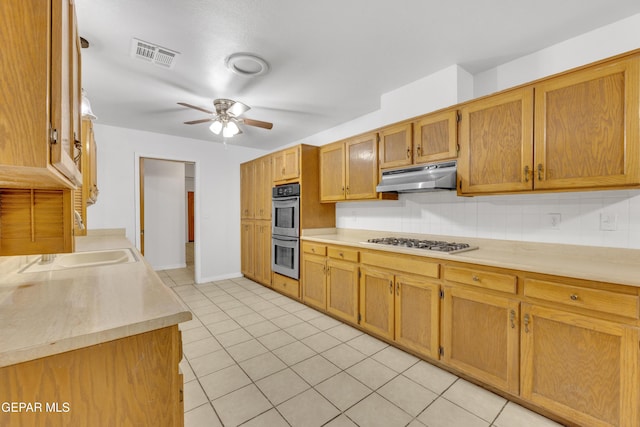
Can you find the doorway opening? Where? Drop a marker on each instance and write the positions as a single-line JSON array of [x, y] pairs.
[[167, 226]]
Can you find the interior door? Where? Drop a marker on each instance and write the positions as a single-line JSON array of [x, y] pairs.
[[142, 206], [190, 215]]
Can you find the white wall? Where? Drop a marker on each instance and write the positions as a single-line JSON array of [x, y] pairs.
[[517, 217], [217, 180]]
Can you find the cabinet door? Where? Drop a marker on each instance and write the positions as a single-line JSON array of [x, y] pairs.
[[287, 164], [376, 302], [481, 336], [496, 144], [262, 252], [417, 315], [436, 137], [342, 289], [332, 172], [264, 184], [247, 239], [586, 131], [396, 146], [314, 281], [62, 91], [362, 167], [582, 368], [247, 190]]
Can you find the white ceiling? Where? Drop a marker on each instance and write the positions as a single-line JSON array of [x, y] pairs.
[[330, 60]]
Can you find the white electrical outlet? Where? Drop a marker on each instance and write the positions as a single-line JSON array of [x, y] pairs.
[[554, 220], [608, 221]]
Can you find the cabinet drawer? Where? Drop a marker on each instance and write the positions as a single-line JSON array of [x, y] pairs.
[[483, 279], [286, 285], [592, 299], [405, 263], [314, 248], [343, 254]]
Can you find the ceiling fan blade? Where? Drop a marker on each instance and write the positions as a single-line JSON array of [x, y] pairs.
[[257, 123], [238, 108], [184, 104], [195, 122]]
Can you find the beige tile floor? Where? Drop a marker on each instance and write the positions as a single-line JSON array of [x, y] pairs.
[[256, 358]]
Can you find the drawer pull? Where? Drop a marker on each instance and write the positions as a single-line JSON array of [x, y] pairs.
[[574, 297], [398, 289], [313, 250], [341, 255], [391, 287], [512, 318], [475, 278], [526, 323]]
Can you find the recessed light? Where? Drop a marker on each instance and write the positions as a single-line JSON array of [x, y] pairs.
[[247, 65]]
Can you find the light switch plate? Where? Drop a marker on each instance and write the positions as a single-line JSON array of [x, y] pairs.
[[608, 221]]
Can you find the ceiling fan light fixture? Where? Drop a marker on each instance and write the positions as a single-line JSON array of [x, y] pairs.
[[247, 65], [216, 127]]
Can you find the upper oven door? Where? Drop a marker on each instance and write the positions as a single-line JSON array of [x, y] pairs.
[[285, 216]]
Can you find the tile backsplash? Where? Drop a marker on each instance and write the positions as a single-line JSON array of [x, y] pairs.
[[596, 218]]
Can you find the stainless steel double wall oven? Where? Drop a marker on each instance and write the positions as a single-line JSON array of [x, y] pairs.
[[285, 233]]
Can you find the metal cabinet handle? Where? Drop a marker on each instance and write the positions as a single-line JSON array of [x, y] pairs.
[[539, 171], [408, 153], [526, 323], [341, 255], [391, 287], [512, 318], [573, 297], [347, 189], [475, 278], [526, 173], [398, 289], [418, 150]]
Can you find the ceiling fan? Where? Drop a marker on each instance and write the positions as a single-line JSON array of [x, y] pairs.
[[226, 117]]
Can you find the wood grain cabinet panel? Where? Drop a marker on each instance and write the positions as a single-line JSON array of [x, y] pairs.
[[342, 289], [581, 368], [436, 137], [376, 301], [247, 244], [130, 381], [396, 146], [496, 143], [247, 190], [286, 285], [263, 183], [286, 164], [587, 133], [332, 172], [481, 335], [314, 279], [482, 278]]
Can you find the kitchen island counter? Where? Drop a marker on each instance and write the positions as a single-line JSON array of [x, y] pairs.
[[602, 264], [51, 312]]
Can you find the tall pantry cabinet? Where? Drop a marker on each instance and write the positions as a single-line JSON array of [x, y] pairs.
[[39, 125]]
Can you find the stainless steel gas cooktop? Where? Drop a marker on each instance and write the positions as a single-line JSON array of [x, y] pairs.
[[431, 245]]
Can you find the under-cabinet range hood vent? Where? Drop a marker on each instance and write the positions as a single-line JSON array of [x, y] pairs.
[[155, 54], [429, 177]]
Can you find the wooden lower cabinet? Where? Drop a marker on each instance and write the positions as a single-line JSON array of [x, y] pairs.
[[342, 289], [314, 291], [247, 240], [417, 314], [402, 308], [255, 247], [286, 285], [579, 367], [131, 381], [480, 336]]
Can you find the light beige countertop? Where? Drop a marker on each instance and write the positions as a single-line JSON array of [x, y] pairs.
[[612, 265], [50, 312]]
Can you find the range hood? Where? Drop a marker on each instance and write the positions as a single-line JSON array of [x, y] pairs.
[[430, 177]]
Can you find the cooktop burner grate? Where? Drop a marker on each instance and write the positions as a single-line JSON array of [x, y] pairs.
[[431, 245]]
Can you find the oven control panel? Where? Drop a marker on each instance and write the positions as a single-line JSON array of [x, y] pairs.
[[286, 190]]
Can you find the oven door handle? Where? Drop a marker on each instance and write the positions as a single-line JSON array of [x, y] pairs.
[[285, 239], [286, 199]]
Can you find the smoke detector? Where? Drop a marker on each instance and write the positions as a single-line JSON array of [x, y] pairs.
[[150, 52]]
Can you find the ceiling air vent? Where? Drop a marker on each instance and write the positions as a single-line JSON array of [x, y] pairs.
[[160, 56]]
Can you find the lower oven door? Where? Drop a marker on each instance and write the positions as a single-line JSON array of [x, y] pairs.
[[285, 256]]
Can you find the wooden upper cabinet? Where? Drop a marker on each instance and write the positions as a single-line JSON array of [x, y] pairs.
[[263, 185], [396, 146], [496, 143], [586, 131], [362, 167], [349, 169], [435, 137], [40, 66], [286, 164], [332, 172], [247, 190]]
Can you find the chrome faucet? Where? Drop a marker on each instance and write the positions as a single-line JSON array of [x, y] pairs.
[[78, 217]]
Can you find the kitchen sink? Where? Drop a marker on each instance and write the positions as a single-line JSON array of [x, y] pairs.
[[81, 259]]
